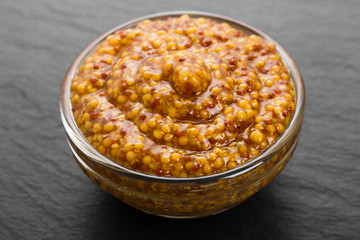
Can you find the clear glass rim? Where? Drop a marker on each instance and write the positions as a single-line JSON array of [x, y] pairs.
[[75, 135]]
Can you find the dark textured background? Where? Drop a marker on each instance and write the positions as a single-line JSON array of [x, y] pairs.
[[44, 194]]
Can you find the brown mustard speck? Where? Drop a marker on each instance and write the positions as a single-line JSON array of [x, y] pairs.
[[182, 97]]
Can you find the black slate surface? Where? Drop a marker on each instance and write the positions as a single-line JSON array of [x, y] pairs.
[[43, 193]]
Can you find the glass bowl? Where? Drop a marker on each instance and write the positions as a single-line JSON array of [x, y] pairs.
[[193, 196]]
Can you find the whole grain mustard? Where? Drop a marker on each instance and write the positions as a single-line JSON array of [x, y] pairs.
[[182, 97]]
